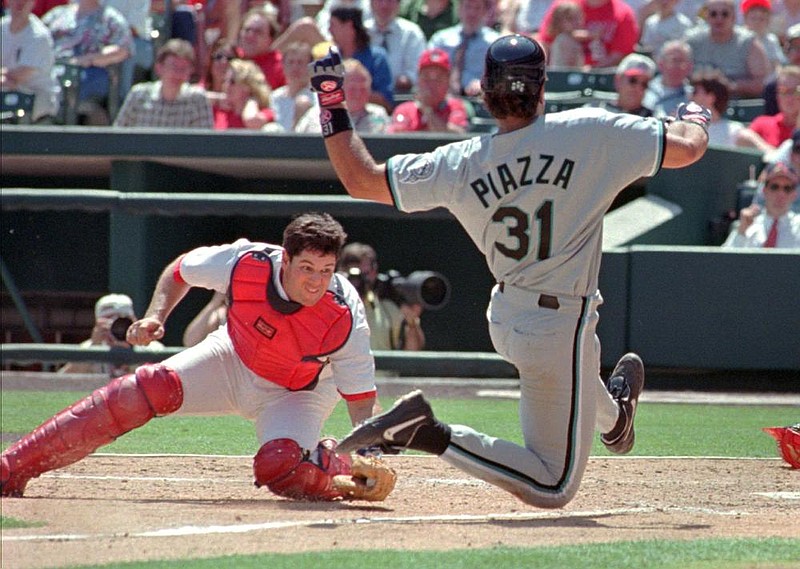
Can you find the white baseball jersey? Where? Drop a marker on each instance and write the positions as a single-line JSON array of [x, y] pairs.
[[352, 366], [533, 199], [216, 381]]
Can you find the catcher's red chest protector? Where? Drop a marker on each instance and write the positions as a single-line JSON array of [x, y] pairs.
[[282, 341]]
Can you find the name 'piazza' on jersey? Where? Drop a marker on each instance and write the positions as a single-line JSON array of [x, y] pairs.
[[516, 175], [571, 165]]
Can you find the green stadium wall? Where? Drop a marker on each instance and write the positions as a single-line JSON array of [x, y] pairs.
[[670, 293]]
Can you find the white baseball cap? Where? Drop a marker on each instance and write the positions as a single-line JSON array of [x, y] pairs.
[[636, 64], [793, 32], [114, 305]]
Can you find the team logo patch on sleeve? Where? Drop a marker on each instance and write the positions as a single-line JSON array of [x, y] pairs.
[[265, 328], [419, 170]]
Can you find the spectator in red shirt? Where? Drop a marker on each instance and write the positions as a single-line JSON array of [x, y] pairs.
[[42, 7], [611, 25], [259, 29], [247, 98], [766, 132], [432, 109]]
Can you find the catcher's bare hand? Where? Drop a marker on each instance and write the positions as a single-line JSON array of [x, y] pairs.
[[371, 480], [144, 331]]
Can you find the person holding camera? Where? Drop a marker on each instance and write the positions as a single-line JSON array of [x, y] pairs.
[[393, 326], [113, 313]]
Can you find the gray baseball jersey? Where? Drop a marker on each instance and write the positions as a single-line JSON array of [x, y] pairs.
[[533, 201]]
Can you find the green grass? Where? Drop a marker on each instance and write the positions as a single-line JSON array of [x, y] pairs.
[[699, 554], [9, 523], [661, 429]]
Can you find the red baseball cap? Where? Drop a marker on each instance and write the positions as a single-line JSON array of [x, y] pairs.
[[781, 170], [435, 57], [748, 5]]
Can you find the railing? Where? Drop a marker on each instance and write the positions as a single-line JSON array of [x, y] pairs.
[[409, 364]]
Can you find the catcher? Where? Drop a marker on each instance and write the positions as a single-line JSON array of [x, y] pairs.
[[296, 339]]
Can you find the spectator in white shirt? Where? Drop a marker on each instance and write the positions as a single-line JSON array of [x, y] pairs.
[[776, 225], [27, 59], [402, 39], [292, 100]]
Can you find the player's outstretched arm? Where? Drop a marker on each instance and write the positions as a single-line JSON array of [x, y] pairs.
[[687, 136], [362, 177], [166, 296]]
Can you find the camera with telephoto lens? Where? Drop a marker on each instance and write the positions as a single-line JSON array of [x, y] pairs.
[[119, 327], [427, 288]]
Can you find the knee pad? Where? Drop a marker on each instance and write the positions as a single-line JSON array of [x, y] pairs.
[[161, 386], [288, 471], [125, 403]]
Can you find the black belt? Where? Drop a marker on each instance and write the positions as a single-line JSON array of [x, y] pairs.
[[545, 300]]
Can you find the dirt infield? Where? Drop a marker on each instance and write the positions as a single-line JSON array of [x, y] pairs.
[[121, 508]]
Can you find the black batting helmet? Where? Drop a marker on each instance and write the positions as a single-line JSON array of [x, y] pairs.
[[514, 64]]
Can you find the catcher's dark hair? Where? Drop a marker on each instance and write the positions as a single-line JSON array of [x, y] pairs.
[[314, 231]]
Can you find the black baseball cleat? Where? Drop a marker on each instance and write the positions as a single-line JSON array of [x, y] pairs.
[[625, 385], [396, 428]]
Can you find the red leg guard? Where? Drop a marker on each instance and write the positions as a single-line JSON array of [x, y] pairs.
[[288, 471], [124, 404]]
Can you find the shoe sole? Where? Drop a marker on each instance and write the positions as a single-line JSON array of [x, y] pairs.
[[624, 444], [406, 411]]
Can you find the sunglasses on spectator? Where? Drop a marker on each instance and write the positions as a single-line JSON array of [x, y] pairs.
[[638, 81], [222, 57], [788, 188], [719, 13]]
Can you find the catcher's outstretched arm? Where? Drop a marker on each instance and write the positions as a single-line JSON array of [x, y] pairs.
[[362, 409]]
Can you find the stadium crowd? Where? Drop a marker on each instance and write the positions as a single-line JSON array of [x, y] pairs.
[[241, 64]]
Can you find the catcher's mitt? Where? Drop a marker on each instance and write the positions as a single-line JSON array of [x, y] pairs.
[[371, 480], [788, 439]]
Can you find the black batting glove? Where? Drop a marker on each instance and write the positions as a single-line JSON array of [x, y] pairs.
[[692, 112], [327, 78]]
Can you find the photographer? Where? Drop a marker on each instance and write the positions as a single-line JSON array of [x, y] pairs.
[[113, 313], [392, 326]]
